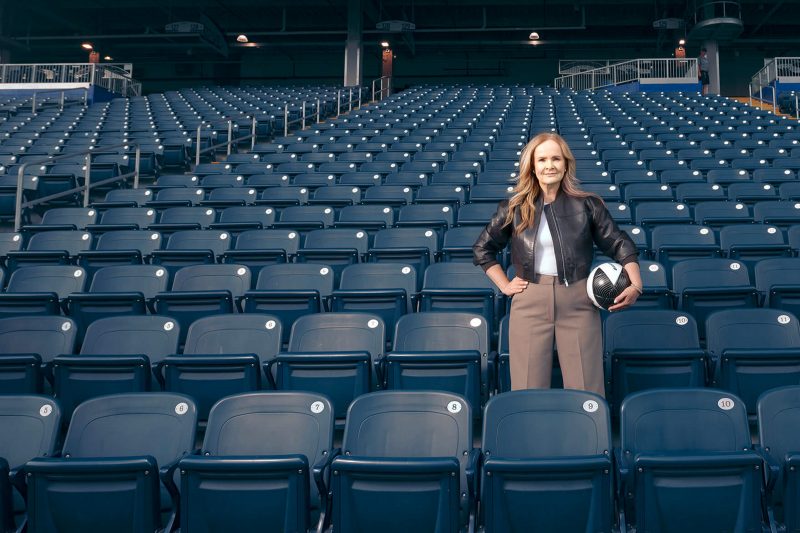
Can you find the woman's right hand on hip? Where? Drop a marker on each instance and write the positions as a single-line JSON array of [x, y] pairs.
[[515, 286]]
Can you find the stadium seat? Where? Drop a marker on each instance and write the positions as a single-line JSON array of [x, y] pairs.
[[781, 214], [117, 356], [387, 290], [261, 465], [447, 351], [202, 290], [676, 242], [717, 214], [647, 349], [461, 287], [117, 466], [59, 247], [687, 463], [337, 354], [40, 290], [290, 291], [753, 350], [258, 248], [123, 247], [417, 247], [223, 355], [407, 464], [29, 428], [778, 415], [27, 348], [334, 247], [778, 281], [547, 462], [117, 290], [703, 286], [749, 243], [191, 247]]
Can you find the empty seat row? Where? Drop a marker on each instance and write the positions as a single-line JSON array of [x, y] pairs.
[[407, 463]]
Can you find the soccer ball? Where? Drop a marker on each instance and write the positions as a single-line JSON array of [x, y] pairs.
[[606, 282]]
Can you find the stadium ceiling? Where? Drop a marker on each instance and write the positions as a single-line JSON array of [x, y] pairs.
[[136, 30]]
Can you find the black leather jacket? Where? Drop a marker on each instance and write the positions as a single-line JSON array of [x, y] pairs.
[[575, 223]]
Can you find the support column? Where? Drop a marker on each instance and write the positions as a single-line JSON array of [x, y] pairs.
[[713, 66], [353, 47]]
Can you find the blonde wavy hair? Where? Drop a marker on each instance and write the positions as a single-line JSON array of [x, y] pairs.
[[527, 189]]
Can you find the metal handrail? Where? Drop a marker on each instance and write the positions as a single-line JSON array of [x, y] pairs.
[[62, 99], [385, 87], [85, 188], [105, 75], [628, 71], [762, 80], [227, 143]]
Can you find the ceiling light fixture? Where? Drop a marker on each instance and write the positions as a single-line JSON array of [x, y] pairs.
[[534, 36], [108, 58], [242, 38], [682, 42], [385, 44], [87, 46]]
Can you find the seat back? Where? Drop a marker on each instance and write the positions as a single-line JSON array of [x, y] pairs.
[[70, 241], [232, 278], [441, 331], [153, 336], [778, 416], [690, 449], [60, 279], [146, 279], [393, 429], [338, 332], [537, 444], [29, 426], [235, 334], [215, 240]]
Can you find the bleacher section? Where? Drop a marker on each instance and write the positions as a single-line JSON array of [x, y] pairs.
[[337, 259]]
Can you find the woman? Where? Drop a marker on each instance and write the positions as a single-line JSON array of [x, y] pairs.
[[552, 226]]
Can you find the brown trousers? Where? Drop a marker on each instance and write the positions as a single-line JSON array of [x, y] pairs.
[[547, 311]]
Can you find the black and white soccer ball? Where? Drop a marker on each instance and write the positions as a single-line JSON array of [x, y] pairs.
[[606, 282]]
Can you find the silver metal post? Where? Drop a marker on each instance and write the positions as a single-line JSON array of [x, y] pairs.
[[373, 90], [304, 116], [253, 134], [18, 200], [230, 135], [359, 97], [750, 92], [796, 110], [85, 96], [197, 148], [286, 120], [319, 112], [338, 103], [86, 179], [62, 100], [136, 163], [350, 99], [775, 98], [33, 103]]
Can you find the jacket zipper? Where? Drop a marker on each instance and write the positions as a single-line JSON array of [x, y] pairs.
[[560, 248]]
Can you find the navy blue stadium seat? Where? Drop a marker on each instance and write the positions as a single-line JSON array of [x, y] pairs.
[[192, 247], [417, 247], [778, 415], [123, 247], [703, 286], [647, 349], [261, 465], [223, 355], [753, 350], [335, 354], [407, 464], [202, 290], [547, 462], [117, 356], [40, 290], [686, 462], [117, 290], [59, 247], [447, 351], [27, 348], [290, 291], [29, 428], [117, 466]]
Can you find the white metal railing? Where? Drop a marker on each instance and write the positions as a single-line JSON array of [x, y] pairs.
[[575, 66], [655, 69], [112, 77], [384, 89], [763, 84]]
